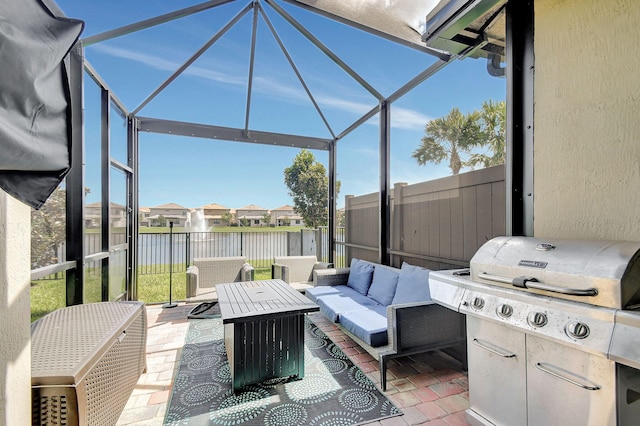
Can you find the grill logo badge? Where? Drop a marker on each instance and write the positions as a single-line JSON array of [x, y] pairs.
[[533, 264]]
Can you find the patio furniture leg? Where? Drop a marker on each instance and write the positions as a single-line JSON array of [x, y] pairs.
[[383, 372]]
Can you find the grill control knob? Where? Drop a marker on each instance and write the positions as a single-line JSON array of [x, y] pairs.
[[577, 330], [477, 303], [504, 311], [537, 319]]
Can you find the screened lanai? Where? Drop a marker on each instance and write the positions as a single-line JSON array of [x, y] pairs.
[[157, 78]]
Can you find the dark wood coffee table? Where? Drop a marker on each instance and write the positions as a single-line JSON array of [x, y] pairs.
[[263, 330]]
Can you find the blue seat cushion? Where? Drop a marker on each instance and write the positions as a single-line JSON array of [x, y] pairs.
[[369, 325], [360, 275], [314, 293], [383, 285], [333, 305], [413, 285]]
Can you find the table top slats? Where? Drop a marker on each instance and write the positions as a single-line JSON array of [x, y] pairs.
[[247, 299]]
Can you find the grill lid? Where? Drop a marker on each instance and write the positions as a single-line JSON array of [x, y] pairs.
[[604, 273]]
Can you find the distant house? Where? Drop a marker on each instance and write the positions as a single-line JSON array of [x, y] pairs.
[[214, 214], [143, 216], [286, 216], [170, 212], [251, 215], [93, 215]]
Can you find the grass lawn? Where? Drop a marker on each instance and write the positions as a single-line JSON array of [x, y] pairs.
[[49, 295]]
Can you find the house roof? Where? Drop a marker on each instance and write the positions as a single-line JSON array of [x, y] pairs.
[[289, 216], [286, 207], [166, 216], [251, 207], [99, 204], [170, 206], [214, 206]]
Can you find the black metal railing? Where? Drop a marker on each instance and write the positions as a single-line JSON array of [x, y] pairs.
[[258, 247]]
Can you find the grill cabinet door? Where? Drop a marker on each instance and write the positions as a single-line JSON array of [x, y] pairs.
[[497, 368], [561, 383]]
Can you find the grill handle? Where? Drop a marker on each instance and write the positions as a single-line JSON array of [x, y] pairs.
[[547, 369], [492, 350], [530, 282]]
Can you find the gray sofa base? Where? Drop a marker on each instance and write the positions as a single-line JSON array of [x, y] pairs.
[[454, 348]]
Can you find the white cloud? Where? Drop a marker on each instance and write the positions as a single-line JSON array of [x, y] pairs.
[[402, 118], [167, 65]]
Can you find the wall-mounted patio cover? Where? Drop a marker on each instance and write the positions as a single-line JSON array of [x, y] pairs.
[[35, 112], [402, 19]]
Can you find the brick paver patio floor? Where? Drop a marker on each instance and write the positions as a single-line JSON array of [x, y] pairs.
[[429, 388]]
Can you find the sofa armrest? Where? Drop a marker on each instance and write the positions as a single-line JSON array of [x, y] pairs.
[[280, 272], [330, 277], [322, 265], [247, 272], [423, 324], [192, 281]]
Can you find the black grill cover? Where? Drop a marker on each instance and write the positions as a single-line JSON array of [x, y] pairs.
[[35, 108]]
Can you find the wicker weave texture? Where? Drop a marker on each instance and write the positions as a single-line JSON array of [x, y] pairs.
[[205, 273], [219, 270], [98, 350], [300, 268], [331, 277], [424, 325]]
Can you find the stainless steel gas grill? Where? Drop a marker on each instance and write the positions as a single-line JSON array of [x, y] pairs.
[[553, 331]]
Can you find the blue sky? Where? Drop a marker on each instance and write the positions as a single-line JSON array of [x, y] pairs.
[[194, 172]]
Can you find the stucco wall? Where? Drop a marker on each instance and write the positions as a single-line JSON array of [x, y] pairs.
[[15, 332], [587, 119]]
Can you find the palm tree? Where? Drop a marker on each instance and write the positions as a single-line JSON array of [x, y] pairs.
[[492, 123], [448, 137]]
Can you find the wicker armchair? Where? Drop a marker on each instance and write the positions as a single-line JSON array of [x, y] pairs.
[[297, 271], [205, 273], [412, 328]]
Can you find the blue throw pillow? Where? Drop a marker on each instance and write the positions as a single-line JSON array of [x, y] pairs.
[[413, 285], [383, 285], [360, 275]]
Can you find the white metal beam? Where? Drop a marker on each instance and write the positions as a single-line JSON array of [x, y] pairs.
[[169, 127]]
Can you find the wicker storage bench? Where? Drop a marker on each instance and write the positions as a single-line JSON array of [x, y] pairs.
[[85, 362]]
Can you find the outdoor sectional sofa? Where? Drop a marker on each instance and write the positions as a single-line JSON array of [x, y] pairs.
[[388, 311]]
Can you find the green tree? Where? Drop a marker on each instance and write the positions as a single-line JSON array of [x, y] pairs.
[[227, 217], [266, 218], [447, 138], [308, 185], [48, 230], [491, 133]]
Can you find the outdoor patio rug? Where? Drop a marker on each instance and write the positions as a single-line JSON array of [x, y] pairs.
[[332, 392]]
